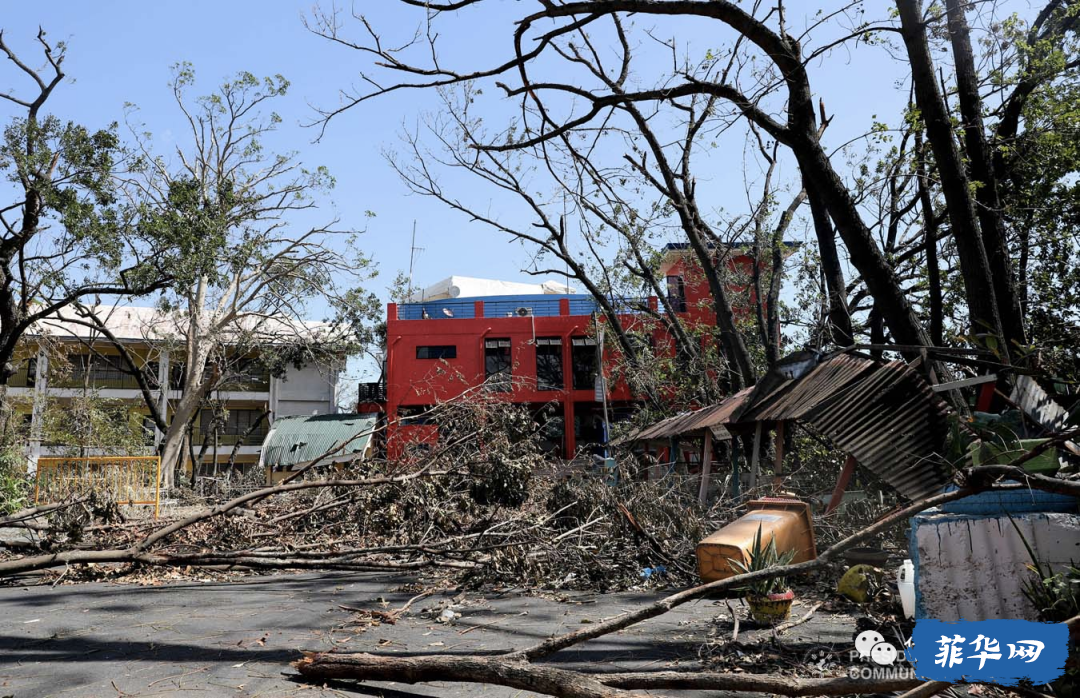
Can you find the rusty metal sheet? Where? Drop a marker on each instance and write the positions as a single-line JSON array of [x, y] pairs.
[[793, 399], [894, 425], [885, 415], [690, 422]]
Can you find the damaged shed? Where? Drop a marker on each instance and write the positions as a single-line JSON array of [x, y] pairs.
[[883, 414]]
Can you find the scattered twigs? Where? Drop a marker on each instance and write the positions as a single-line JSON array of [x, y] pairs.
[[555, 644], [389, 617], [734, 620], [802, 619], [655, 544], [138, 552], [36, 511], [518, 669], [926, 690]]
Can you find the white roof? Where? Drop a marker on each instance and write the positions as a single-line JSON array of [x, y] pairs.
[[470, 287], [140, 323]]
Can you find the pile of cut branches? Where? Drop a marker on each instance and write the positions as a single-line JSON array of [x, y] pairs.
[[481, 500]]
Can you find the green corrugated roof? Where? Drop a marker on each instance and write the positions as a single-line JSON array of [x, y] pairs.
[[295, 440]]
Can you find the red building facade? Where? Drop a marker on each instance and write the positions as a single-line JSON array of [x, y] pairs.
[[537, 350]]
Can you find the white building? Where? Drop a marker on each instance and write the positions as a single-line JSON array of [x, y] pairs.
[[92, 366]]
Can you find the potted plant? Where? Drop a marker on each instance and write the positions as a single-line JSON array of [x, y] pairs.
[[769, 598]]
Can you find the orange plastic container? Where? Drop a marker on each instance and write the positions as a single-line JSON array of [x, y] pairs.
[[786, 520]]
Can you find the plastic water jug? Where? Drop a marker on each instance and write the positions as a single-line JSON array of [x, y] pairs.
[[905, 581]]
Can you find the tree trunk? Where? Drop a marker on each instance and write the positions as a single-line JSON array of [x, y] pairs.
[[685, 204], [930, 228], [981, 165], [840, 328], [955, 185], [194, 387], [731, 338]]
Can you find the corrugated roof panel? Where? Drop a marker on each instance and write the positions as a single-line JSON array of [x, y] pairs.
[[687, 422], [294, 440], [974, 567], [885, 415], [792, 399], [893, 424]]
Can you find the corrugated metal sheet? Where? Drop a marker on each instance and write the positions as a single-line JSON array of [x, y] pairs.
[[894, 425], [885, 415], [688, 422], [294, 440], [778, 399]]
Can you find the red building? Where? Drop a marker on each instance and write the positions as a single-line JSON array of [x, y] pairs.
[[538, 349]]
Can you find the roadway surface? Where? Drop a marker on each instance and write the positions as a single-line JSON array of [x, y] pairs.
[[238, 638]]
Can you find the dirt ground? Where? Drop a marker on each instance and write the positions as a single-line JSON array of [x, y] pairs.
[[237, 638]]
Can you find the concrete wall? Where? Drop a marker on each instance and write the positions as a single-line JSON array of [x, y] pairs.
[[310, 390], [974, 567]]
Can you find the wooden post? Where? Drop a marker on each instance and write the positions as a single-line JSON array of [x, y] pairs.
[[755, 457], [736, 455], [706, 467], [986, 397], [841, 484], [778, 463]]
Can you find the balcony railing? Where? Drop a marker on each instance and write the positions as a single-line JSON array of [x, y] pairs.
[[24, 377], [513, 306], [102, 379], [255, 438], [248, 383], [437, 310]]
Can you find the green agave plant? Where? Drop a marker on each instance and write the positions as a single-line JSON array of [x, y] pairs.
[[763, 557]]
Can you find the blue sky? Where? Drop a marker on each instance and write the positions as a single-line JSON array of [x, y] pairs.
[[120, 52]]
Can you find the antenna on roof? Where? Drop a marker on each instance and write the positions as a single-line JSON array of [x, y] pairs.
[[413, 249]]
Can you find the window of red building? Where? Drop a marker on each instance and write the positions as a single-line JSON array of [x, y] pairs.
[[415, 415], [676, 293], [583, 362], [497, 366], [549, 364], [442, 351]]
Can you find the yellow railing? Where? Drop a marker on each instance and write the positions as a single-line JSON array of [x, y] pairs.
[[127, 479]]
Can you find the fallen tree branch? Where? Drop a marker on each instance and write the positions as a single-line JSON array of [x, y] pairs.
[[517, 669], [500, 672], [794, 623], [36, 511], [926, 690], [139, 551], [518, 674], [758, 683], [664, 605]]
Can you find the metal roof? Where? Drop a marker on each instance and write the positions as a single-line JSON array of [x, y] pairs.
[[687, 422], [294, 440], [894, 425], [141, 324], [777, 398], [884, 414]]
